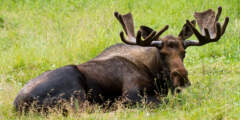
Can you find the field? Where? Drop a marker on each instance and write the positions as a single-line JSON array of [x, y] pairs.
[[41, 35]]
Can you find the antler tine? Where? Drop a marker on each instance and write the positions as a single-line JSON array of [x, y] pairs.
[[225, 25], [160, 32], [218, 13], [119, 18], [207, 33], [218, 35], [138, 38], [124, 40], [147, 41], [195, 31]]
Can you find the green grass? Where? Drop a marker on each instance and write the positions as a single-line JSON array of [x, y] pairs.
[[39, 35]]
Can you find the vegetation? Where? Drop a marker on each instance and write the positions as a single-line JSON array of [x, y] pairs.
[[41, 35]]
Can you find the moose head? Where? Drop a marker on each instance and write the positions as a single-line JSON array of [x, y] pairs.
[[172, 49]]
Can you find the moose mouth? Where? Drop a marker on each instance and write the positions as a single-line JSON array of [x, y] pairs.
[[178, 90], [179, 83], [178, 87]]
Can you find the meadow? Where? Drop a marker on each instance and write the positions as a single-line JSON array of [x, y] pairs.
[[41, 35]]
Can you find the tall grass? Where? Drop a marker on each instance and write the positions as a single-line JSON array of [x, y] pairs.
[[38, 35]]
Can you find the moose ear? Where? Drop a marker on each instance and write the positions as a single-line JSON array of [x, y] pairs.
[[186, 31], [146, 31]]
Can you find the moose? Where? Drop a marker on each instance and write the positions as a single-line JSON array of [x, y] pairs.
[[144, 65]]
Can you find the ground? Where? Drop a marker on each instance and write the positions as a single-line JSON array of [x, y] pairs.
[[41, 35]]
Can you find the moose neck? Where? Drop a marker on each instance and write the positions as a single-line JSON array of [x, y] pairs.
[[151, 58], [147, 56]]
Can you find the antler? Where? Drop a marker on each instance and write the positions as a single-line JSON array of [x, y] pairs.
[[210, 27], [127, 23]]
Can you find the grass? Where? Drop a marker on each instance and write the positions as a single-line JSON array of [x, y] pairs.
[[39, 35]]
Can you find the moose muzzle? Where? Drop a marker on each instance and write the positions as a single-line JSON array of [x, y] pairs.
[[180, 79]]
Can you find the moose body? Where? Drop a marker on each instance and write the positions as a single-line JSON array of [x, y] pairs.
[[119, 77], [140, 68]]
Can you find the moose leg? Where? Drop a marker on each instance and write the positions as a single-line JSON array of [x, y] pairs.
[[153, 100], [52, 89], [132, 96]]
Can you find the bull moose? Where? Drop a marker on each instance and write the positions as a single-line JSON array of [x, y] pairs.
[[146, 65]]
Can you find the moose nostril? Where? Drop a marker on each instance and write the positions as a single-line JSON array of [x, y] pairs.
[[178, 90], [188, 84]]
